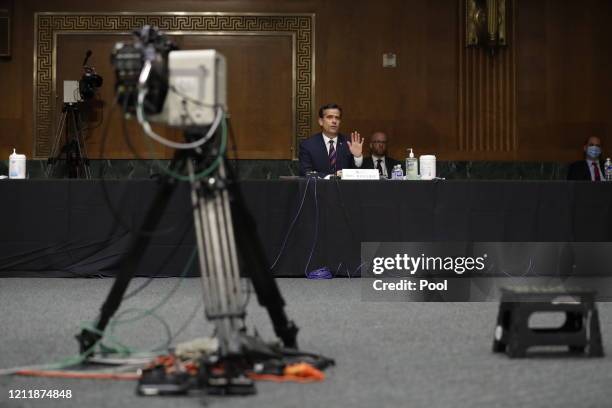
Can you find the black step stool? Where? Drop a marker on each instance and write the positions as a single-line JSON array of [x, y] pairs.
[[580, 332]]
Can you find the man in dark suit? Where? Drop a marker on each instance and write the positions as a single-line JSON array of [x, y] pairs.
[[329, 151], [589, 168], [379, 159]]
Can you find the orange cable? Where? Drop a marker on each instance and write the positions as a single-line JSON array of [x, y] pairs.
[[78, 374]]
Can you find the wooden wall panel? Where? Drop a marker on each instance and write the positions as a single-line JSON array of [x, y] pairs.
[[487, 95], [275, 70], [259, 95], [259, 91], [11, 99], [564, 84], [562, 65], [121, 136], [415, 103]]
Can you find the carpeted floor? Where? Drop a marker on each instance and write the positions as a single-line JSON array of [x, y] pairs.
[[387, 354]]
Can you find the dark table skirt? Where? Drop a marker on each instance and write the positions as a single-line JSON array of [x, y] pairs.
[[81, 228]]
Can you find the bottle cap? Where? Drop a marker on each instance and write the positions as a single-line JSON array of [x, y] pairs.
[[411, 155]]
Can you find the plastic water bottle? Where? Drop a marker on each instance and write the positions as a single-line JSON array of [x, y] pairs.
[[608, 169], [397, 173]]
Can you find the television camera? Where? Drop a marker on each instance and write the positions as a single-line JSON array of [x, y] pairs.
[[186, 89], [74, 149]]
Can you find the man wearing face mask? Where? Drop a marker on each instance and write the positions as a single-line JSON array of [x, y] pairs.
[[590, 168]]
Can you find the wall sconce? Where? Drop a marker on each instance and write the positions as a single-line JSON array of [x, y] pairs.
[[485, 24]]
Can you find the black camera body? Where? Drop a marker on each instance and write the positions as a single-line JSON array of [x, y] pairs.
[[89, 82], [129, 58]]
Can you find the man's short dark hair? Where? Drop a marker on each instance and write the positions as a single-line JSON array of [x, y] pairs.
[[329, 106], [586, 141]]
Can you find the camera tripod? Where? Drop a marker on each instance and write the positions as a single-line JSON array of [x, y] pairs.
[[74, 150], [225, 234]]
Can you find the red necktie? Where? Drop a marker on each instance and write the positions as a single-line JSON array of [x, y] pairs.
[[596, 172]]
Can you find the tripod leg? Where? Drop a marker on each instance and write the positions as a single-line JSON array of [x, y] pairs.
[[129, 262], [229, 244], [55, 149], [218, 261], [84, 157], [258, 270], [76, 139]]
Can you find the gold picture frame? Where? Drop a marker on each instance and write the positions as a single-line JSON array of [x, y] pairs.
[[49, 25]]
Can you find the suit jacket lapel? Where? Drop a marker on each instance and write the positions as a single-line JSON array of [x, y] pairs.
[[323, 152], [389, 166]]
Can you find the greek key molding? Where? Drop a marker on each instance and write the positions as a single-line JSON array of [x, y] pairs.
[[47, 27]]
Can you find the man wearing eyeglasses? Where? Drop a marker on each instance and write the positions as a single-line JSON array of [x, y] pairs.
[[590, 168], [379, 159]]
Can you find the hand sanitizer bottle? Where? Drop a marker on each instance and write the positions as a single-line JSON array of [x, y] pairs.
[[412, 168], [17, 165]]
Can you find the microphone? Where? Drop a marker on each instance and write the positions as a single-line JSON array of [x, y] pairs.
[[87, 55]]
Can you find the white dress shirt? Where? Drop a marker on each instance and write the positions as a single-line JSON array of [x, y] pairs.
[[326, 139], [382, 164], [590, 164]]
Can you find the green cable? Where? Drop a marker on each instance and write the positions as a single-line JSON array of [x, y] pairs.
[[123, 349], [146, 313], [106, 335], [207, 171], [165, 299]]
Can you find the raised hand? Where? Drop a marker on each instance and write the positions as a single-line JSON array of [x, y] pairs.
[[356, 144]]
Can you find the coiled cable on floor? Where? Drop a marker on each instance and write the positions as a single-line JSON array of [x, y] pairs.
[[315, 238], [321, 273]]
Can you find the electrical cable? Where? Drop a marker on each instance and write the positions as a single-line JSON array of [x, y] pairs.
[[344, 211], [316, 231], [105, 193], [116, 321], [232, 137], [207, 171], [321, 273], [324, 272], [188, 98], [99, 123], [126, 134], [164, 300], [204, 173], [145, 313], [144, 123], [107, 335], [348, 224], [80, 375], [299, 211], [159, 269], [188, 321]]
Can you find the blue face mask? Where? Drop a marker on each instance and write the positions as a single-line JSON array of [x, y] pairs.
[[593, 152]]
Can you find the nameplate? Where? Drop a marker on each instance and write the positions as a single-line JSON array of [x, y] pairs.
[[360, 174]]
